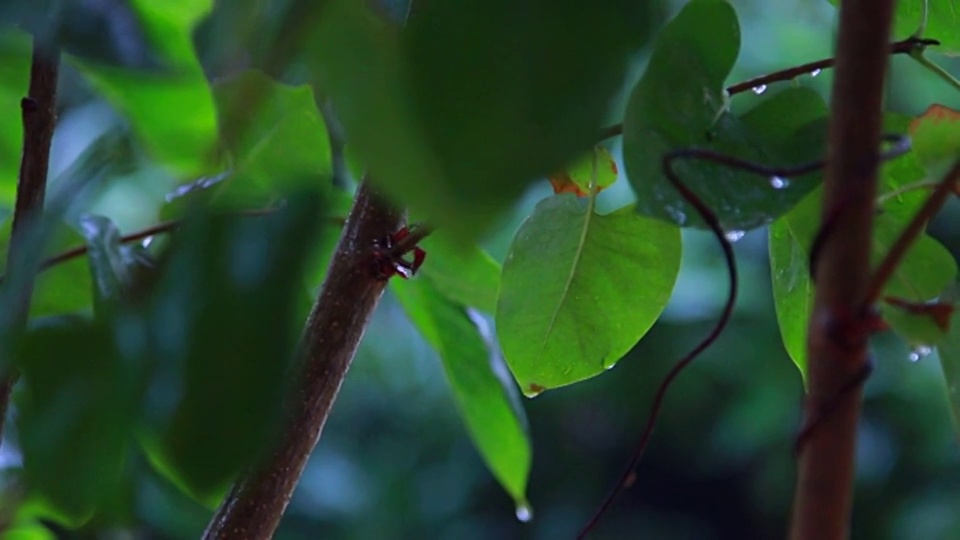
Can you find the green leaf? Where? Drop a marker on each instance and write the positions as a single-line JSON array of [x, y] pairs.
[[578, 290], [172, 110], [279, 140], [927, 268], [942, 21], [935, 135], [487, 398], [457, 153], [464, 274], [14, 79], [949, 352], [598, 166], [221, 333], [78, 403], [681, 102]]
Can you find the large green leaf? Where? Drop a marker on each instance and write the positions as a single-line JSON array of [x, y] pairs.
[[460, 153], [579, 289], [927, 268], [172, 109], [78, 403], [681, 102], [487, 398], [221, 330]]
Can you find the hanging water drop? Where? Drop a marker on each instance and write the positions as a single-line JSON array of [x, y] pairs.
[[759, 89], [919, 352], [524, 512], [778, 182], [734, 236], [815, 72]]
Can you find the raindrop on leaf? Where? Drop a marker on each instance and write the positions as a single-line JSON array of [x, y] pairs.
[[734, 236], [919, 352], [778, 182], [524, 512]]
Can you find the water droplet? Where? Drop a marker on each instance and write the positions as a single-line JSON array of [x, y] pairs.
[[610, 367], [533, 390], [734, 236], [778, 182], [815, 72], [524, 512], [146, 242], [759, 89], [919, 352]]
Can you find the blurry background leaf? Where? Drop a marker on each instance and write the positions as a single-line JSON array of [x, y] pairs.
[[172, 109], [77, 404], [460, 153], [14, 79], [949, 352], [221, 362], [487, 398], [571, 302]]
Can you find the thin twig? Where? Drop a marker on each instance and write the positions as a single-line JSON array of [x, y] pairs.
[[909, 235], [418, 232], [911, 45], [38, 110]]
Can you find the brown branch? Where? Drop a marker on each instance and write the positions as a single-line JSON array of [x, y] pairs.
[[38, 111], [907, 46], [898, 251], [839, 329], [350, 293]]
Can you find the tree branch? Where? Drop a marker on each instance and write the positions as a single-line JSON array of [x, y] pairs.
[[839, 329], [350, 293], [38, 111]]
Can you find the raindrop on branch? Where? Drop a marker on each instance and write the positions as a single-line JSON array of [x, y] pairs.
[[815, 72], [919, 352], [759, 89], [778, 182], [734, 236]]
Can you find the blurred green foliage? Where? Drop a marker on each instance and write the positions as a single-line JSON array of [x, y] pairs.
[[154, 372]]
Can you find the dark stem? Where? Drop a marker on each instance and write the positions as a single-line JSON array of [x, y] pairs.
[[892, 260], [255, 504], [839, 328], [39, 116], [907, 46]]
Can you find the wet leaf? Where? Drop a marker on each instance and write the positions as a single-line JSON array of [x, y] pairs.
[[681, 102], [926, 269], [571, 303], [485, 395], [576, 178], [460, 154], [78, 404]]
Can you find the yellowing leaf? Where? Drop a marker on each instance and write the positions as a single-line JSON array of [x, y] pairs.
[[936, 134], [577, 177]]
